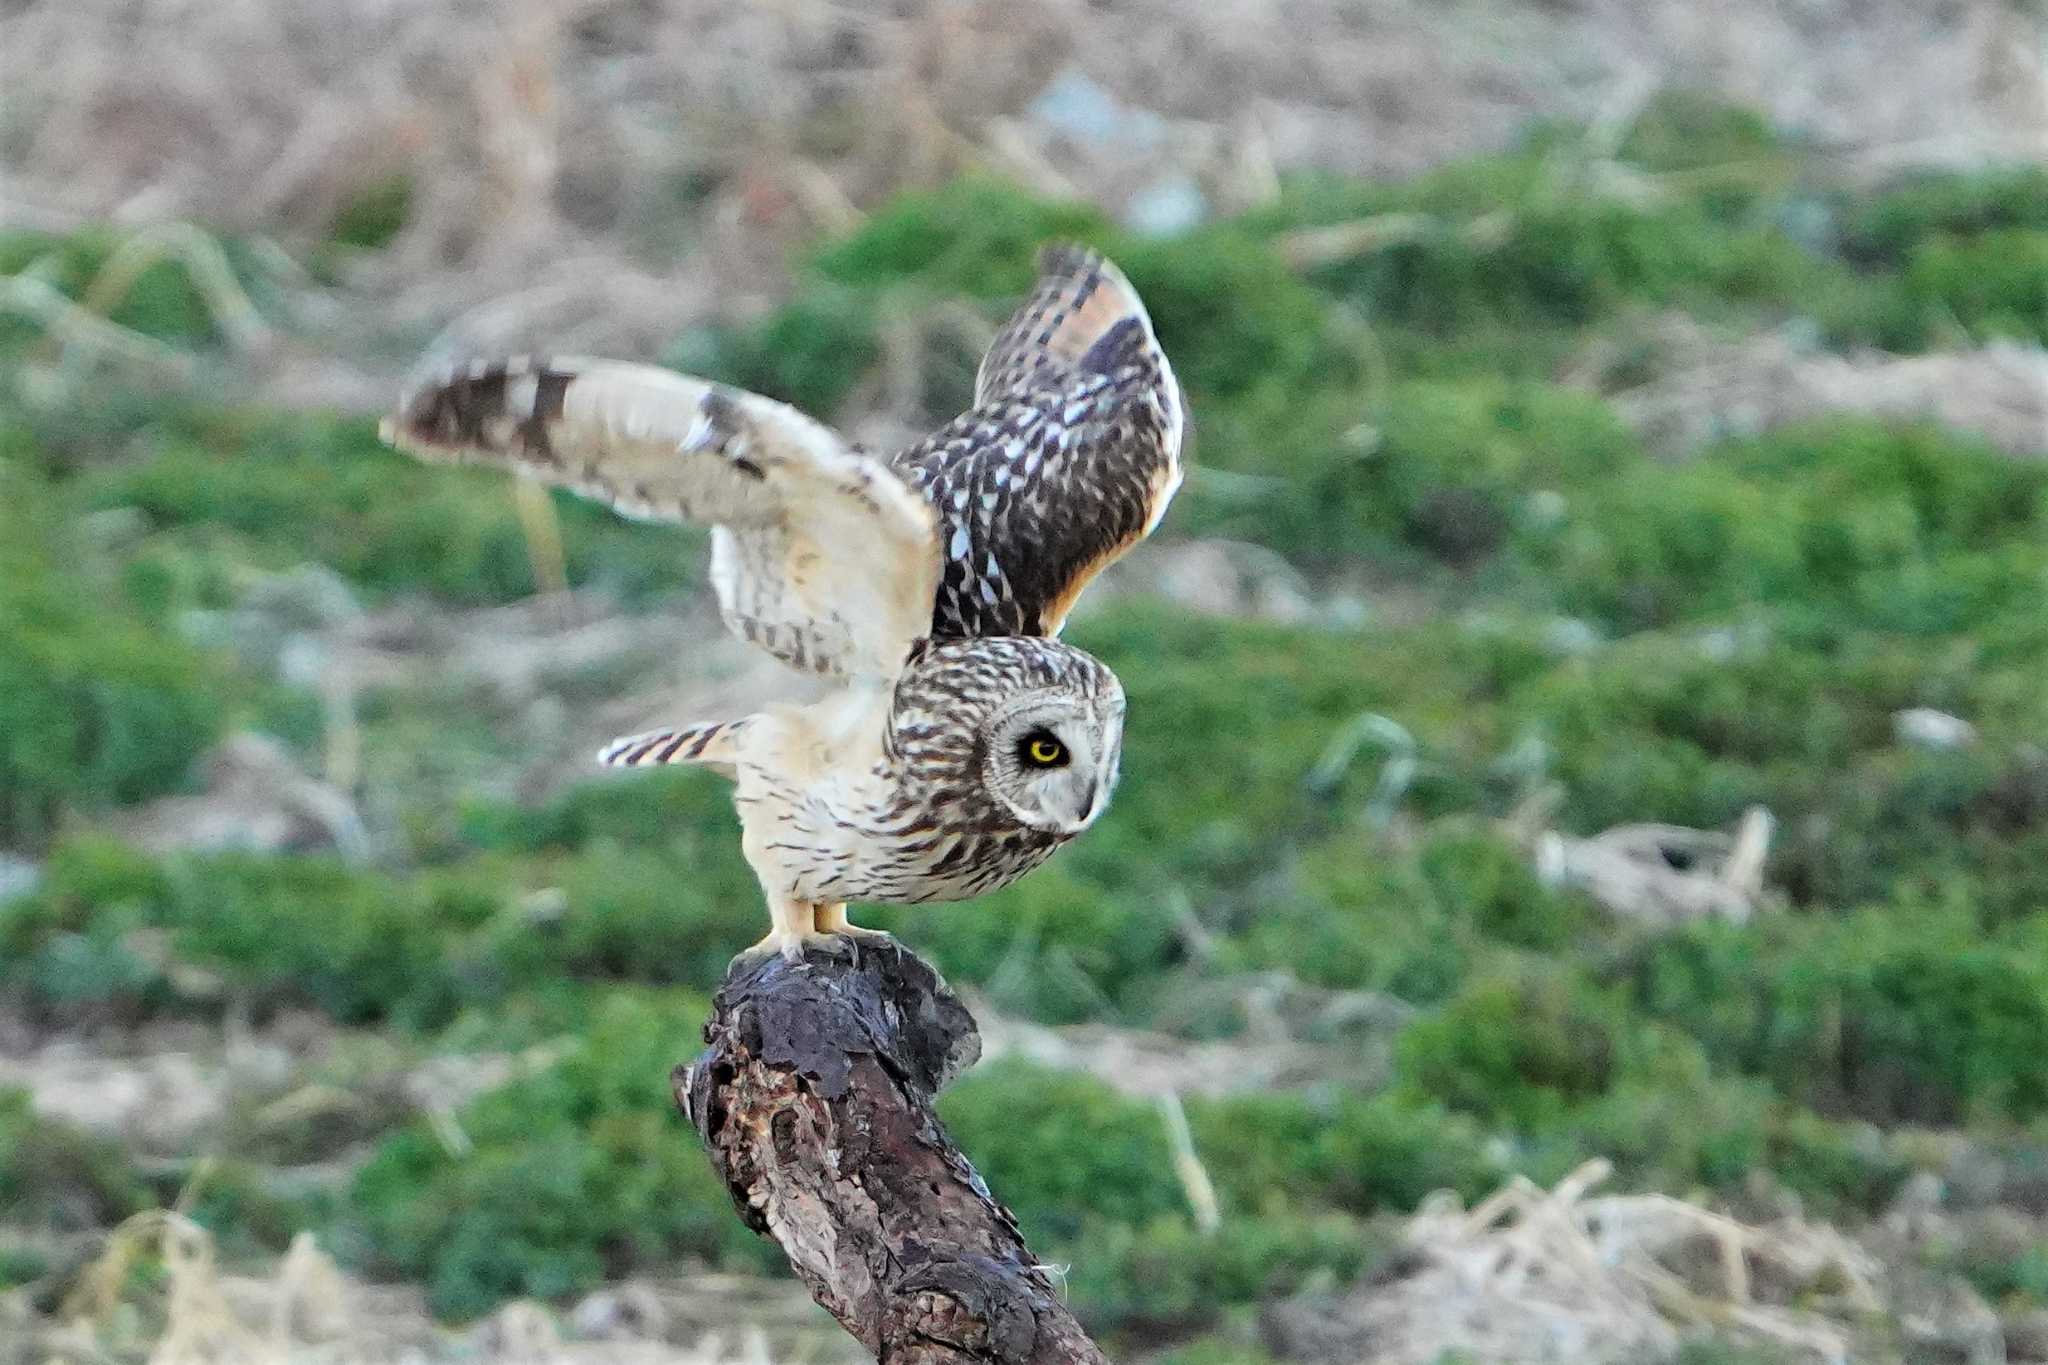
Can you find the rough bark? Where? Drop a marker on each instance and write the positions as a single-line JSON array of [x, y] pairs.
[[815, 1101]]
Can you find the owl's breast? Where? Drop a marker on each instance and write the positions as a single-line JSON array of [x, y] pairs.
[[919, 860], [918, 828]]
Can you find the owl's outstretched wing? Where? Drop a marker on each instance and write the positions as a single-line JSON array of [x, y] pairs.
[[1068, 459], [821, 555]]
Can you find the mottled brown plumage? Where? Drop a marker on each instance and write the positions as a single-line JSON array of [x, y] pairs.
[[1068, 458], [965, 744]]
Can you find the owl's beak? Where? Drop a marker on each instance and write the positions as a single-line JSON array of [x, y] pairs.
[[1081, 800], [1094, 799]]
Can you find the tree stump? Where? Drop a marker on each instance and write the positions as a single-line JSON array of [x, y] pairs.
[[814, 1099]]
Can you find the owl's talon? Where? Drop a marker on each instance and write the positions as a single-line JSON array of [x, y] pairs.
[[833, 945], [793, 946]]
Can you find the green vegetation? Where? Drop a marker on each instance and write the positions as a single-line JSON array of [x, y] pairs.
[[256, 488], [375, 216], [162, 301], [97, 704], [1309, 812], [574, 1174], [54, 1176]]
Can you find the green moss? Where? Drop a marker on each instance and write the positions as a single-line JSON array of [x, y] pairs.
[[1965, 828], [1574, 1074], [1884, 229], [1715, 1351], [1519, 255], [666, 808], [1347, 923], [2017, 1279], [1692, 130], [1056, 946], [580, 1172], [1906, 1013], [376, 215], [1857, 517], [811, 352], [57, 1176], [1564, 261], [1216, 1352], [107, 934], [1668, 1122], [1090, 1177], [1413, 480], [1059, 1148], [276, 930], [1361, 1154], [97, 705], [1166, 1278], [976, 237], [1842, 1169], [251, 1210], [1230, 313], [1991, 286], [20, 1266], [162, 302], [1521, 1047], [1452, 466], [1480, 879], [278, 490]]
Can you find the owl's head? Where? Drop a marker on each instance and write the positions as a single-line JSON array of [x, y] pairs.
[[1051, 754], [1032, 727]]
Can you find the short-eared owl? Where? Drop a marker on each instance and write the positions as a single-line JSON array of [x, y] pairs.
[[965, 743]]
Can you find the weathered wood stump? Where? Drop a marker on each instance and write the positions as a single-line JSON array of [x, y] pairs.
[[815, 1101]]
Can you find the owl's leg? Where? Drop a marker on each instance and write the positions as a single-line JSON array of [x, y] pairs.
[[795, 932], [831, 919]]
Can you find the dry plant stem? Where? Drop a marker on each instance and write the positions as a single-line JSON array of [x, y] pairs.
[[815, 1100]]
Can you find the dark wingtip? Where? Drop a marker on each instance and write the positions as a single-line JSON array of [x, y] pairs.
[[472, 407], [1069, 258]]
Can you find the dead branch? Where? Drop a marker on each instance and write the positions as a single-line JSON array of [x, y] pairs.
[[815, 1100], [1614, 1277], [1665, 875]]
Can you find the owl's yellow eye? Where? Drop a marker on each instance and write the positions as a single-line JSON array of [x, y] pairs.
[[1045, 751]]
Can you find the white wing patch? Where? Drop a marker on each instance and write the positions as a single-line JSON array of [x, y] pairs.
[[821, 555]]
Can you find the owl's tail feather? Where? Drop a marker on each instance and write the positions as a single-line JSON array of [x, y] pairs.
[[712, 743]]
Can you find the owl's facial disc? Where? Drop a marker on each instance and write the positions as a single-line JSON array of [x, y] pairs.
[[1053, 760]]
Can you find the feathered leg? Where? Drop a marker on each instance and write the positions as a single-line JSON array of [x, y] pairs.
[[831, 919]]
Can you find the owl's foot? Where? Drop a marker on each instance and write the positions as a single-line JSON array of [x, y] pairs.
[[792, 944], [835, 943], [801, 928]]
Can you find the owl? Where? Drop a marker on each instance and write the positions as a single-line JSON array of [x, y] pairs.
[[962, 742]]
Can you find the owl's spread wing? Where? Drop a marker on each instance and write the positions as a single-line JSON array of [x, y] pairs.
[[820, 554], [1068, 459]]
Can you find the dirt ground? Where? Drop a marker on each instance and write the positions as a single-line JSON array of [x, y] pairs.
[[601, 172]]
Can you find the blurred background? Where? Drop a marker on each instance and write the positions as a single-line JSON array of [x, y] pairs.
[[1579, 890]]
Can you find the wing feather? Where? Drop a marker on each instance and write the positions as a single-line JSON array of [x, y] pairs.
[[1068, 458], [821, 555], [1081, 318]]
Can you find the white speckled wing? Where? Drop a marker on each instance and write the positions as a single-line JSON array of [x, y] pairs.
[[821, 555]]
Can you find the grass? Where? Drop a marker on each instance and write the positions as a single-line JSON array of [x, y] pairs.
[[1664, 641], [53, 1175]]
